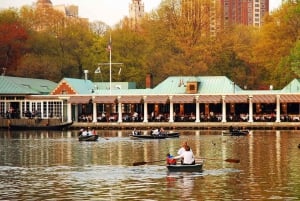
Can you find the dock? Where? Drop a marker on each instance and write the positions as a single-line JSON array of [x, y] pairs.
[[189, 125], [166, 125]]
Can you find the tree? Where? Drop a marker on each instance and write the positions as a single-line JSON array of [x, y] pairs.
[[58, 47], [12, 40]]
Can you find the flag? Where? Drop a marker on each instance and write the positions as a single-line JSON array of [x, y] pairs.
[[98, 70], [120, 71], [109, 45]]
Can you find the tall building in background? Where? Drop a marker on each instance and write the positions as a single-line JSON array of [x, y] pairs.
[[136, 12], [246, 12], [43, 4], [215, 15], [68, 11], [203, 14]]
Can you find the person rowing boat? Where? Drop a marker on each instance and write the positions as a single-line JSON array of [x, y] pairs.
[[187, 156]]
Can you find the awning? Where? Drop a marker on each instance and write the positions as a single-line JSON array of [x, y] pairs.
[[105, 99], [210, 99], [264, 98], [290, 98], [183, 99], [42, 98], [156, 99], [130, 99], [236, 99], [79, 99]]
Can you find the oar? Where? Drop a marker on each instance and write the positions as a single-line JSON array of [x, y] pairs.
[[144, 162], [229, 160]]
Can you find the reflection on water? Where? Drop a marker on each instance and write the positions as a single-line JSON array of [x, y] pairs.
[[55, 165]]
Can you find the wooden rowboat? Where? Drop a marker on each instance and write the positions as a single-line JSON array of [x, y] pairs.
[[236, 133], [185, 168], [164, 135], [88, 138], [60, 126]]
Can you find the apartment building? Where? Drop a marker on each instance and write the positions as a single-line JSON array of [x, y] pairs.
[[136, 12]]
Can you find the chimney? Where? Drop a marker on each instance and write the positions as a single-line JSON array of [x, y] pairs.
[[149, 81], [85, 74]]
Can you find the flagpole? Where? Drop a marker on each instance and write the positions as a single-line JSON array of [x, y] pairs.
[[110, 64]]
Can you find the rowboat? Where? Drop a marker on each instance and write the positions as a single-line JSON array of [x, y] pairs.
[[185, 168], [164, 135], [59, 126], [236, 133], [147, 137], [88, 138]]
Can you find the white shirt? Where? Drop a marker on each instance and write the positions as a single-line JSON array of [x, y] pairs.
[[181, 150], [188, 157]]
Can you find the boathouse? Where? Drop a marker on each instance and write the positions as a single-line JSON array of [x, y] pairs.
[[176, 99]]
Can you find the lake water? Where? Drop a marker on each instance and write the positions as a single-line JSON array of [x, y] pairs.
[[41, 165]]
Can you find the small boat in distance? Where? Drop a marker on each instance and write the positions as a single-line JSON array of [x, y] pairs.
[[87, 135], [235, 132], [153, 135], [88, 138], [47, 126]]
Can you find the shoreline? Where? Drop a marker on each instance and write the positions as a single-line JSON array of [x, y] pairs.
[[189, 125], [4, 124]]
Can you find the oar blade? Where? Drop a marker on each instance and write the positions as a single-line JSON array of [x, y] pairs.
[[231, 160]]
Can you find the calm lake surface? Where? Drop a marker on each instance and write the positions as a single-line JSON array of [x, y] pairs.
[[44, 165]]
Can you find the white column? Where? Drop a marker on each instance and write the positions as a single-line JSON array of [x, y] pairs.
[[47, 110], [5, 107], [223, 109], [94, 112], [145, 109], [278, 108], [42, 109], [197, 110], [171, 109], [30, 106], [250, 109], [21, 109], [69, 111], [119, 110], [76, 112]]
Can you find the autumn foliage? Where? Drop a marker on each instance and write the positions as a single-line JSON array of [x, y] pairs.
[[47, 44], [12, 44]]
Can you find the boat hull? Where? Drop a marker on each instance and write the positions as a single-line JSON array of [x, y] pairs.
[[160, 136], [236, 133], [41, 127], [88, 138], [185, 168], [147, 137]]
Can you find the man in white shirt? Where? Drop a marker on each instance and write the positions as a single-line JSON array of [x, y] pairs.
[[188, 156]]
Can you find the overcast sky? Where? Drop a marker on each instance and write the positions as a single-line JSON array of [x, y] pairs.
[[108, 11]]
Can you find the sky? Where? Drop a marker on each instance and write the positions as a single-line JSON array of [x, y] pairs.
[[108, 11]]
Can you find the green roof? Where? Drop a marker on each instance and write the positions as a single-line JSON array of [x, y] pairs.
[[115, 85], [81, 86], [292, 87], [206, 85], [20, 85], [177, 85]]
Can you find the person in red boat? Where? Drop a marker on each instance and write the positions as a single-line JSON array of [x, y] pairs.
[[171, 160]]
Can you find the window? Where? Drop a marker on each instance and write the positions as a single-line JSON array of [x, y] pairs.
[[191, 87]]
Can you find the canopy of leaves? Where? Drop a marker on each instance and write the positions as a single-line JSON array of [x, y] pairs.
[[171, 40]]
